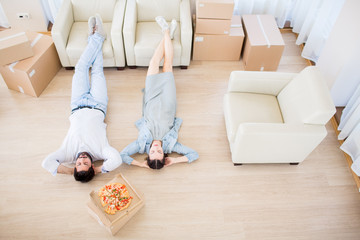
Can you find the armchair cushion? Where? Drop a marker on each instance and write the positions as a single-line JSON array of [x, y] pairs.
[[78, 39], [264, 108], [149, 9], [304, 99], [148, 36]]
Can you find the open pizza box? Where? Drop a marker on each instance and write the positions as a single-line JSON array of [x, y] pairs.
[[113, 223]]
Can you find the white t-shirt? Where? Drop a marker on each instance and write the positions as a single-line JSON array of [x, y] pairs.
[[87, 133]]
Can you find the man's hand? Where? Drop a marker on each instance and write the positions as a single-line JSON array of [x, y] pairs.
[[97, 169], [65, 170]]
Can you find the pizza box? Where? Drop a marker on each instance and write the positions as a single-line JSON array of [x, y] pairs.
[[113, 223]]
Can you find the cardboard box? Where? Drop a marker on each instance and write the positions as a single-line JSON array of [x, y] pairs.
[[218, 9], [264, 44], [212, 26], [236, 21], [14, 46], [32, 75], [113, 223], [218, 47]]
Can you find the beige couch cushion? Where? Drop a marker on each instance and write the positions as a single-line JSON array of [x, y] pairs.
[[148, 36], [149, 9], [82, 10], [306, 99], [264, 109], [78, 41]]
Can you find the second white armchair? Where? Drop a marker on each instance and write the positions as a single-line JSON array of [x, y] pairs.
[[142, 34], [274, 117]]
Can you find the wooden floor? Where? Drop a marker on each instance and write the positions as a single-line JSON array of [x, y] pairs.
[[207, 199]]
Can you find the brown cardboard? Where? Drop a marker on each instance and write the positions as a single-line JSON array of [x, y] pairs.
[[213, 26], [218, 47], [113, 223], [32, 75], [236, 21], [14, 46], [214, 9], [264, 44]]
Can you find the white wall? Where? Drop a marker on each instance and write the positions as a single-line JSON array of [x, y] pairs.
[[340, 58], [37, 20]]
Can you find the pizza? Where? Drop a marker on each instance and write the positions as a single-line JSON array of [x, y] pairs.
[[114, 197]]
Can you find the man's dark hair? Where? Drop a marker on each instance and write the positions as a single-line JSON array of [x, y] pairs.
[[156, 163], [86, 153], [84, 176]]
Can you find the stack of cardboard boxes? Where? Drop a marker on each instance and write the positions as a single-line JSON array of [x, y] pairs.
[[28, 61], [218, 34]]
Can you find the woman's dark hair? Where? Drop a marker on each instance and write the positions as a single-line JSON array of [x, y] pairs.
[[156, 163], [84, 176]]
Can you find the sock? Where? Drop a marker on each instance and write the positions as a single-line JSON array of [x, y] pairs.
[[162, 23], [91, 24], [99, 26], [173, 26]]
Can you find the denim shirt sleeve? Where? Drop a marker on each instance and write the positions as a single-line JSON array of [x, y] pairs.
[[129, 150], [191, 154]]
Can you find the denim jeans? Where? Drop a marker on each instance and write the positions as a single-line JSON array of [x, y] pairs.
[[83, 94]]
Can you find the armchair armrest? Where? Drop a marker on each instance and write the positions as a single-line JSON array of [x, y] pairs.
[[116, 33], [278, 142], [61, 30], [186, 32], [129, 31], [259, 82]]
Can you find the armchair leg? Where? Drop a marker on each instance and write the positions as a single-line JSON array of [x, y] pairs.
[[120, 68], [132, 67], [237, 164], [183, 67], [294, 163], [69, 68]]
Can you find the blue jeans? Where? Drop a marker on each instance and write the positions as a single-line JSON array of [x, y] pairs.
[[82, 94]]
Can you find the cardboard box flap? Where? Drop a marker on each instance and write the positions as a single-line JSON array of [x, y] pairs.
[[262, 30], [236, 21], [14, 46], [236, 31], [14, 39], [107, 219], [219, 9], [38, 42]]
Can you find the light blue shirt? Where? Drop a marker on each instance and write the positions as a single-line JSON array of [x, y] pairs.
[[169, 143]]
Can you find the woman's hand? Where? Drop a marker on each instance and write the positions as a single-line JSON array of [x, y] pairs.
[[172, 160], [140, 164]]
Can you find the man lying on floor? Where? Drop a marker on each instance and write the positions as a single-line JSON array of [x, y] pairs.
[[86, 139]]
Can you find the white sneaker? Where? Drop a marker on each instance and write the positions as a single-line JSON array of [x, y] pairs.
[[173, 26], [91, 24], [162, 23], [99, 26]]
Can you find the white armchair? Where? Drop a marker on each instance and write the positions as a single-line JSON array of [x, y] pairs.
[[70, 30], [274, 117], [142, 34]]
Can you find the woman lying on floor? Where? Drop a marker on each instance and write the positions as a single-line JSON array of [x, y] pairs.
[[158, 128]]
